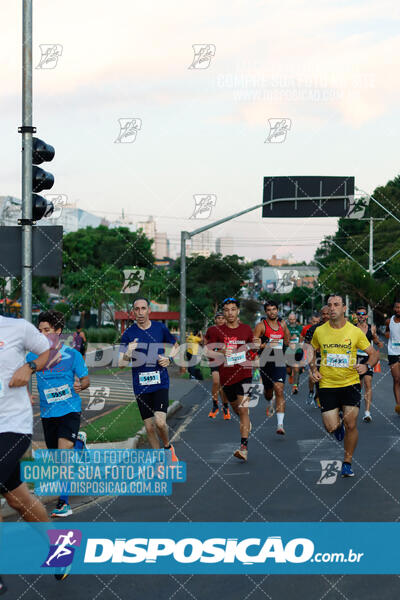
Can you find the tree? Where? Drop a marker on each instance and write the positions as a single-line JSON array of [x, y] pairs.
[[208, 281], [94, 260]]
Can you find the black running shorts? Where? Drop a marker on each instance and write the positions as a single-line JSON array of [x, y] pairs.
[[236, 389], [12, 448], [156, 401], [66, 427], [331, 398]]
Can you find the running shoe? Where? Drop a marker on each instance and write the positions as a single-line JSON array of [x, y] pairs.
[[241, 453], [62, 510], [64, 574], [213, 413], [173, 457], [310, 399], [367, 419], [347, 471], [339, 433], [3, 587], [227, 415], [82, 437], [295, 389], [397, 409], [270, 411], [280, 430]]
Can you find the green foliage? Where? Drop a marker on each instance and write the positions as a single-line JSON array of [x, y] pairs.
[[106, 335], [345, 275], [209, 281]]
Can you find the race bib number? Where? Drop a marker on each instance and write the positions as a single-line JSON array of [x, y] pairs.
[[1, 389], [276, 344], [396, 344], [57, 394], [341, 361], [235, 359], [294, 340], [149, 378]]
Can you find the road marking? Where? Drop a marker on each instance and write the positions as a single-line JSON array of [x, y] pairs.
[[183, 427], [245, 473]]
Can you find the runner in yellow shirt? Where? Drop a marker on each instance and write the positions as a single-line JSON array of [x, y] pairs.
[[338, 375]]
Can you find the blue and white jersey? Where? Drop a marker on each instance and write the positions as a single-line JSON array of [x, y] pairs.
[[55, 384], [147, 375]]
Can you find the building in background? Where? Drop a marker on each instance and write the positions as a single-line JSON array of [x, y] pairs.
[[225, 245], [202, 244], [283, 279], [274, 261], [160, 246], [69, 216]]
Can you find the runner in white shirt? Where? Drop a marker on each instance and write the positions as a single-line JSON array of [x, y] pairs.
[[17, 337], [393, 335]]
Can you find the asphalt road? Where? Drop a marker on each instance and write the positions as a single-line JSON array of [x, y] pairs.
[[278, 483]]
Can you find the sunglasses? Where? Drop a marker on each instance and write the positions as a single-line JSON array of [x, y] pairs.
[[361, 313], [229, 300]]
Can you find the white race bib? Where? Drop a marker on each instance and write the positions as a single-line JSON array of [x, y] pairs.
[[1, 388], [57, 394], [149, 378], [341, 361], [276, 344], [235, 359]]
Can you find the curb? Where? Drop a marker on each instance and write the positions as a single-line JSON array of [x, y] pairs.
[[130, 443]]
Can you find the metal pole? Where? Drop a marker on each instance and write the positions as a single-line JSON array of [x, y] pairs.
[[371, 262], [27, 159], [182, 318]]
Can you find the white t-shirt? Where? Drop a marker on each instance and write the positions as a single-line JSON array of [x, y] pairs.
[[17, 337]]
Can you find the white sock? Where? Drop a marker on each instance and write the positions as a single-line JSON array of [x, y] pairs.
[[280, 417], [367, 413]]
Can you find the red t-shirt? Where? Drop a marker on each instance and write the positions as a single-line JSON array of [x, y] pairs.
[[304, 330], [237, 338]]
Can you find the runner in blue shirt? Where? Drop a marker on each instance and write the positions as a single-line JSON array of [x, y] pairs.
[[60, 403], [144, 343]]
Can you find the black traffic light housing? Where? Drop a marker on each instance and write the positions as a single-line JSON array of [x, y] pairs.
[[41, 179]]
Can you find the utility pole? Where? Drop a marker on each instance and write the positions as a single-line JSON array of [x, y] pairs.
[[26, 130], [371, 262]]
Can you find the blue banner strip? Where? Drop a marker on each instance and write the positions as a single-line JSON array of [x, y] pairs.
[[200, 548]]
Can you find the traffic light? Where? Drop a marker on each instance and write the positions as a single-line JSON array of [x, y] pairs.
[[41, 179]]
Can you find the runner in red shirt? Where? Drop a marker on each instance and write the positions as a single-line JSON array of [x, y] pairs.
[[233, 340], [216, 389], [271, 335]]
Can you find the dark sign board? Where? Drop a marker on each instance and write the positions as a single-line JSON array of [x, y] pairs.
[[47, 251], [310, 196]]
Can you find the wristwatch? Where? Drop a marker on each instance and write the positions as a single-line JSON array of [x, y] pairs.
[[369, 368], [33, 366]]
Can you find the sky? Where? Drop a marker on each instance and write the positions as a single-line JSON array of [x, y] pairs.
[[327, 67]]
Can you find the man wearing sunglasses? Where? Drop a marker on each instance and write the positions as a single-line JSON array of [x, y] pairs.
[[232, 340], [362, 358]]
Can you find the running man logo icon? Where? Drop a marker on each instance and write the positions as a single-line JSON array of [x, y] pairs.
[[59, 201], [203, 54], [203, 205], [62, 547], [128, 129], [97, 397], [133, 279], [330, 471], [50, 53], [278, 129], [252, 394]]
